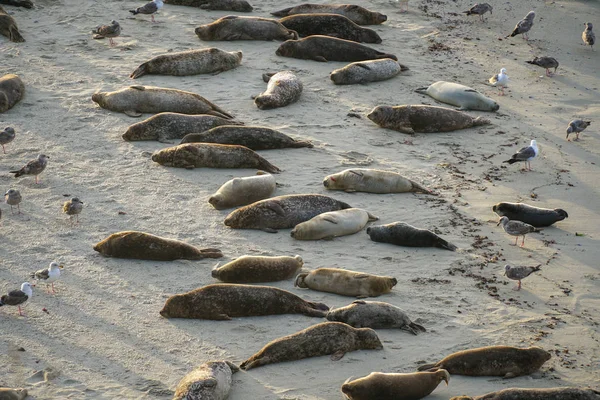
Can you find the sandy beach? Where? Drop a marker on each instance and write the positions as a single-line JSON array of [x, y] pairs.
[[102, 336]]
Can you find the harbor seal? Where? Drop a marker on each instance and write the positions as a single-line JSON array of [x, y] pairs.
[[557, 393], [223, 301], [144, 246], [211, 380], [8, 27], [282, 212], [346, 283], [243, 191], [252, 137], [459, 95], [367, 71], [13, 394], [403, 234], [222, 5], [165, 127], [136, 100], [333, 224], [381, 386], [535, 216], [233, 27], [372, 181], [335, 25], [318, 340], [356, 14], [421, 118], [257, 269], [209, 155], [505, 361], [326, 48], [18, 3], [283, 88], [375, 315], [192, 62], [11, 91]]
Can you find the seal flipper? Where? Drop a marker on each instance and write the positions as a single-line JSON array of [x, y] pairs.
[[269, 230], [132, 113], [274, 206], [330, 219], [441, 243], [428, 367], [282, 13], [422, 90], [209, 382], [320, 58], [361, 65], [337, 355]]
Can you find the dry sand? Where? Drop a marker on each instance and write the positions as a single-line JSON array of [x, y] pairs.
[[103, 337]]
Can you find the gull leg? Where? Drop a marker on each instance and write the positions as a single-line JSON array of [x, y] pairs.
[[112, 42], [523, 242], [53, 288], [11, 209], [4, 149], [18, 208], [152, 18], [519, 287], [20, 312], [516, 239]]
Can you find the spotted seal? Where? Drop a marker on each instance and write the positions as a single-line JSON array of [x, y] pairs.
[[252, 137], [11, 91], [356, 14], [257, 269], [221, 5], [367, 71], [346, 283], [403, 234], [372, 181], [8, 27], [325, 48], [535, 216], [333, 224], [243, 191], [233, 27], [460, 96], [211, 380], [284, 88], [381, 386], [335, 25], [557, 393]]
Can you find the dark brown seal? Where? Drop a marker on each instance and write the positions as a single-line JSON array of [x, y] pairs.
[[12, 394], [356, 14], [8, 27], [346, 283], [535, 216], [557, 393], [326, 48], [222, 5], [210, 381], [144, 246], [233, 27], [257, 269], [403, 234], [209, 155], [504, 361], [225, 301], [335, 25], [284, 88], [318, 340], [11, 91], [380, 386], [252, 137], [18, 3], [282, 212], [421, 118]]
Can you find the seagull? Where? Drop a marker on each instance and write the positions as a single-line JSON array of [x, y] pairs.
[[518, 273], [525, 154], [523, 26], [73, 207], [403, 5], [588, 36], [500, 80], [48, 275], [108, 31], [545, 62], [577, 126], [17, 297], [33, 167], [12, 197], [6, 136], [148, 8], [516, 228], [479, 9]]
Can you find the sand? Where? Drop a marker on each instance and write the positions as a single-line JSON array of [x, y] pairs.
[[102, 336]]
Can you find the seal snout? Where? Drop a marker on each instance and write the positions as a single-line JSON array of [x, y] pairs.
[[381, 18], [495, 107]]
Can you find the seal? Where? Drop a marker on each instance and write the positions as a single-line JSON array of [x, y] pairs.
[[326, 48], [421, 118], [209, 155], [367, 71], [318, 340], [284, 88], [403, 234], [346, 283], [356, 14], [223, 301], [193, 62], [557, 393], [282, 212], [372, 181], [505, 361], [222, 5], [252, 137], [335, 25], [165, 127], [375, 315], [8, 27], [233, 27], [11, 91], [257, 269], [135, 100], [459, 95], [13, 394], [18, 3], [333, 224], [535, 216], [380, 386], [243, 191], [211, 380], [144, 246]]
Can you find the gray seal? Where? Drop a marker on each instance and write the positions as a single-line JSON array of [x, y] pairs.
[[257, 269], [243, 191], [210, 381], [284, 88], [367, 71], [8, 27], [380, 386], [253, 137], [335, 25], [346, 283], [557, 393], [459, 95], [356, 14], [221, 5], [534, 216], [403, 234], [233, 27], [325, 48], [11, 91]]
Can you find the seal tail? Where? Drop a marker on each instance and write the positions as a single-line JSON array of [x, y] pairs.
[[403, 67], [267, 166], [140, 71], [282, 13], [481, 121], [299, 282], [210, 253], [15, 35], [428, 367], [445, 245], [420, 189], [422, 90], [416, 327], [302, 143], [318, 310]]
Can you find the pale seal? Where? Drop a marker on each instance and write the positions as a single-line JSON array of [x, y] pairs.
[[282, 212], [284, 88], [135, 100], [144, 246], [225, 301], [356, 14], [367, 71], [209, 155], [535, 216], [504, 361], [252, 137], [403, 234], [243, 191], [346, 283], [335, 25], [192, 62], [257, 269], [322, 339], [233, 27], [557, 393], [460, 96], [11, 91], [210, 381], [333, 224], [372, 181], [381, 386], [325, 48], [375, 315], [222, 5], [8, 27], [13, 394]]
